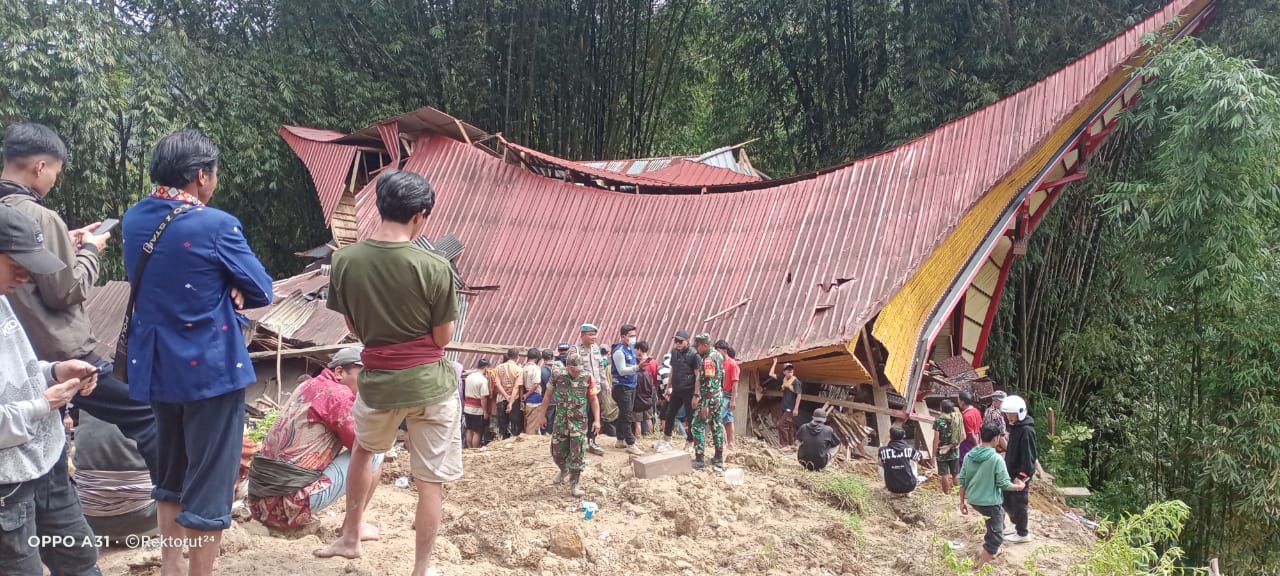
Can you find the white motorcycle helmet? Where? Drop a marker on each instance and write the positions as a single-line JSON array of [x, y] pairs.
[[1015, 405]]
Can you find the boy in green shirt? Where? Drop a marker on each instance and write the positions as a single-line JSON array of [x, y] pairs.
[[983, 480]]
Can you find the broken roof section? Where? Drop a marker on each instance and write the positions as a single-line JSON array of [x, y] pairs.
[[727, 165], [776, 267]]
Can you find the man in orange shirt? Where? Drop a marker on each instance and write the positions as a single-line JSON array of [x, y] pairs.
[[508, 394]]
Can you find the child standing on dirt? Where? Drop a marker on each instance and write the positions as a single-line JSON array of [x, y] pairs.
[[574, 392], [983, 480]]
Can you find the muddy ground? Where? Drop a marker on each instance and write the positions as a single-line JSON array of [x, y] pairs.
[[505, 518]]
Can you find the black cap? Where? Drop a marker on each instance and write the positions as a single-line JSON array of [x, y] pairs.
[[788, 366], [681, 335], [563, 346], [22, 240]]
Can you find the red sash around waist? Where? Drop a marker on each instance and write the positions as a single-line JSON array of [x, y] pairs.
[[472, 402], [416, 352]]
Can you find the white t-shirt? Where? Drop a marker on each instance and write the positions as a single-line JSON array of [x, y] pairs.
[[532, 377], [477, 386]]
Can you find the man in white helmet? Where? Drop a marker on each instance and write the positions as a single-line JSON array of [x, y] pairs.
[[1020, 458]]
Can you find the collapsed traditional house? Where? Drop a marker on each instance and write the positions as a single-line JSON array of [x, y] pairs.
[[858, 273]]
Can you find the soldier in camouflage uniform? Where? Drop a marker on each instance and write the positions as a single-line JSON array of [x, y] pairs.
[[708, 402], [574, 391]]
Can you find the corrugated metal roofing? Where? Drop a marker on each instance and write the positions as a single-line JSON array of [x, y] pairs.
[[328, 163], [774, 267], [105, 308], [689, 173], [423, 119]]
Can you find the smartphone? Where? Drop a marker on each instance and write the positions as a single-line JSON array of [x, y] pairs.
[[106, 226]]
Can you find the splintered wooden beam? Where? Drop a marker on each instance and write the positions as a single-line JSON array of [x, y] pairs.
[[842, 403]]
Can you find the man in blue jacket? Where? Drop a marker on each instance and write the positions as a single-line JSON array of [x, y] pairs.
[[187, 354], [625, 366]]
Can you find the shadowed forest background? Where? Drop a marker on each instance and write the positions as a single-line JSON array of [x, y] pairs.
[[1146, 312]]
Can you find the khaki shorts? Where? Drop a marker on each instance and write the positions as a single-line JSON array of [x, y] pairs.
[[434, 435]]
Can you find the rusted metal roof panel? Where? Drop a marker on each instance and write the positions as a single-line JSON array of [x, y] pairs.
[[425, 119], [328, 163], [774, 267], [689, 173]]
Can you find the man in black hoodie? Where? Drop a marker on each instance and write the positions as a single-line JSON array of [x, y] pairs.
[[1020, 459], [898, 463], [685, 364], [818, 442]]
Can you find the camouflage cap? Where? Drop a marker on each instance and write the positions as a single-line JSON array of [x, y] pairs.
[[702, 338], [573, 361]]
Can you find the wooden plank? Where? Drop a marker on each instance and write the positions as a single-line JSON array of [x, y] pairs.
[[883, 422], [888, 412], [451, 347], [741, 412], [1075, 492], [925, 431]]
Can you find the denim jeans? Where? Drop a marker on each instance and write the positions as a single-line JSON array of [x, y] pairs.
[[995, 528], [336, 471], [110, 402], [46, 506]]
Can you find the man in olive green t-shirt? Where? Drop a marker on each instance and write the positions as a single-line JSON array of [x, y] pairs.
[[399, 300]]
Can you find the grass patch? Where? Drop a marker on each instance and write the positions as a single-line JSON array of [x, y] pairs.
[[849, 492], [852, 523]]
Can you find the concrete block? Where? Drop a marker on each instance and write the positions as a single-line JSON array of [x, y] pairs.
[[669, 463]]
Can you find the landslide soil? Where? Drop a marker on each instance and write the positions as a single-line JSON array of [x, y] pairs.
[[506, 518]]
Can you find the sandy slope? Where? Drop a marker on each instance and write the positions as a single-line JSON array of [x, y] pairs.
[[502, 517]]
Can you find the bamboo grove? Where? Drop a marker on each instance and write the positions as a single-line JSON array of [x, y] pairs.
[[1145, 311]]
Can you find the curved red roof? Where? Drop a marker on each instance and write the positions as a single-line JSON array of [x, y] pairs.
[[774, 267]]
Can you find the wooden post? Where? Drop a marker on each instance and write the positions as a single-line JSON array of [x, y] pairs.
[[883, 422], [926, 432], [279, 359], [741, 413]]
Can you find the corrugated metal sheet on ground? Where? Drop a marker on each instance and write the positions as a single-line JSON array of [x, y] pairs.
[[816, 255]]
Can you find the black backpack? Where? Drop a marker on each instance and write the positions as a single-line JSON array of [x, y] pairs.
[[645, 392]]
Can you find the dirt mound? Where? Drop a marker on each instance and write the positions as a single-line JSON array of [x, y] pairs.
[[505, 517]]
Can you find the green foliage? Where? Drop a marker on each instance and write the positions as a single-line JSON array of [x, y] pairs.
[[1147, 309], [849, 491], [1065, 454], [1142, 544], [259, 428], [952, 562]]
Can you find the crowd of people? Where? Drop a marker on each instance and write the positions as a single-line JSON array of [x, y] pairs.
[[161, 424]]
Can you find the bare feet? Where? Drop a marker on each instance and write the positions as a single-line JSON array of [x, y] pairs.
[[369, 532], [340, 547], [430, 571]]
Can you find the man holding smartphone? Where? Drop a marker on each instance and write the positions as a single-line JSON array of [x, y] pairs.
[[51, 306]]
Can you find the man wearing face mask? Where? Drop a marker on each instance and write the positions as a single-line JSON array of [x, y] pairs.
[[625, 366], [685, 364]]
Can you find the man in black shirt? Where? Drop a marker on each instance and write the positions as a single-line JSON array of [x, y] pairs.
[[818, 442], [898, 461], [685, 363]]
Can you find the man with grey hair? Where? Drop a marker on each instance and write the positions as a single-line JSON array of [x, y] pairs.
[[302, 467]]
